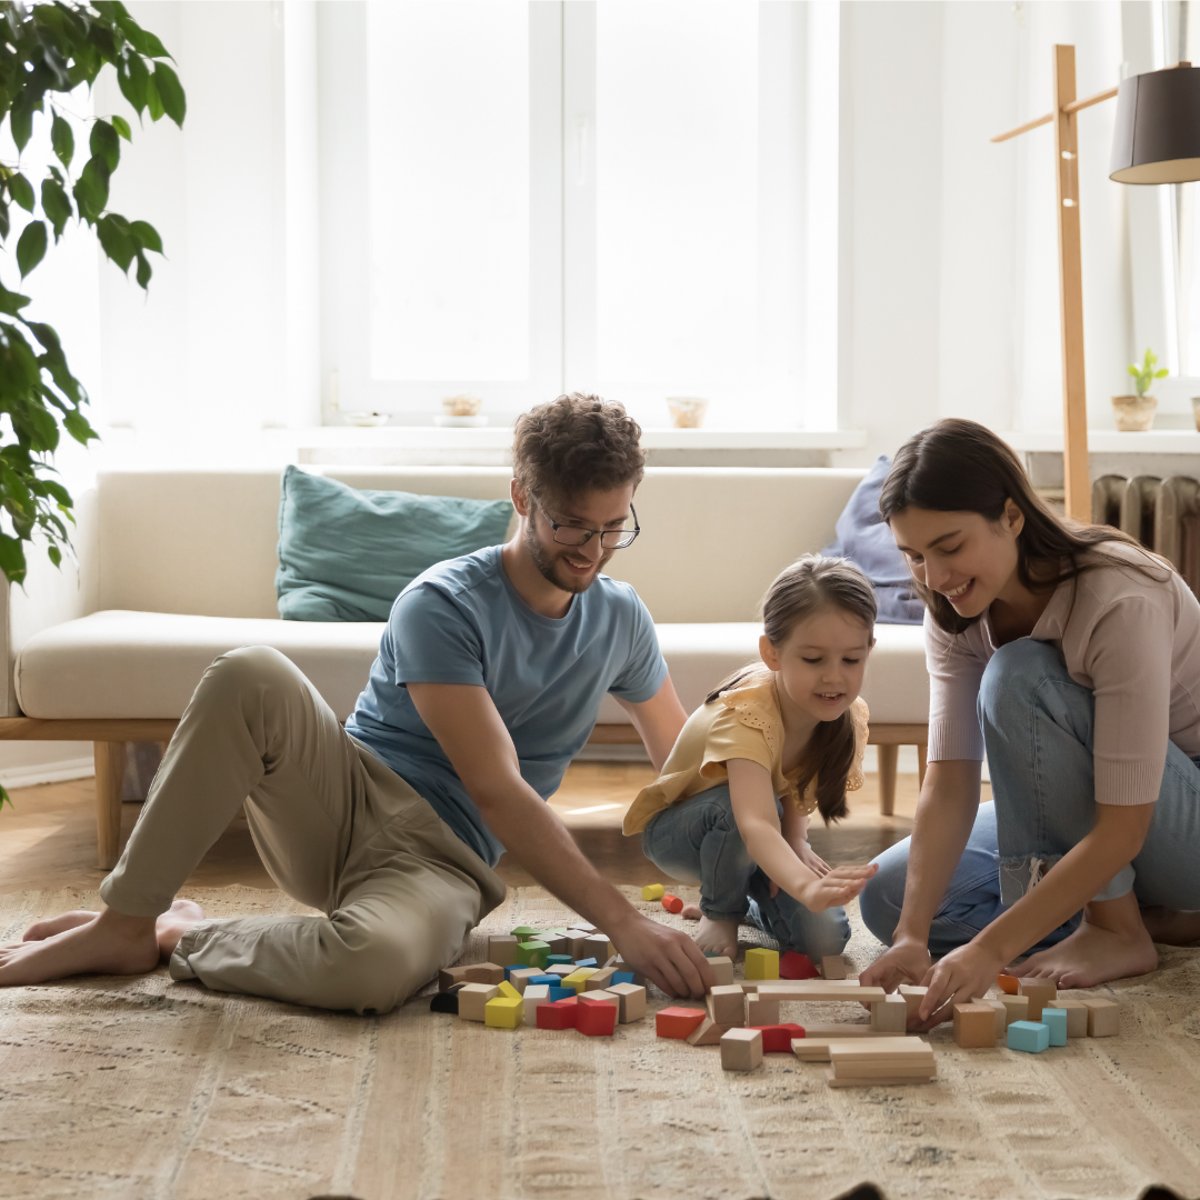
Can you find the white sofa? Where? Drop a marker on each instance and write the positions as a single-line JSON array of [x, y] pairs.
[[177, 567]]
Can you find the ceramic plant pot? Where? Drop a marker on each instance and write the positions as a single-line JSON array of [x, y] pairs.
[[1134, 413]]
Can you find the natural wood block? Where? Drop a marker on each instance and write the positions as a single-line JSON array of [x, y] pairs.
[[707, 1033], [834, 966], [741, 1049], [727, 1005], [520, 977], [488, 972], [1104, 1017], [816, 989], [722, 969], [761, 1009], [600, 980], [597, 946], [877, 1080], [1000, 1014], [473, 998], [913, 994], [890, 1015], [502, 949], [817, 1049], [1077, 1015], [632, 999], [1040, 992], [534, 995], [975, 1025], [1016, 1008], [904, 1060], [843, 1029], [884, 1050], [449, 976]]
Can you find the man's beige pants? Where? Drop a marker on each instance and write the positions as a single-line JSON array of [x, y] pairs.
[[336, 829]]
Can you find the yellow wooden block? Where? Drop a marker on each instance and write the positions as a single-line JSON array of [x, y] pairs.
[[504, 1012], [762, 963], [508, 991], [577, 980], [653, 891]]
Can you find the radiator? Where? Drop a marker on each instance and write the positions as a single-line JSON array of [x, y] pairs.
[[1163, 514]]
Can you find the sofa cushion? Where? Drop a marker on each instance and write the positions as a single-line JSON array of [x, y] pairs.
[[862, 535], [346, 553]]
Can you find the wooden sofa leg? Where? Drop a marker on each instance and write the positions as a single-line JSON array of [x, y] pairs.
[[110, 774], [888, 756]]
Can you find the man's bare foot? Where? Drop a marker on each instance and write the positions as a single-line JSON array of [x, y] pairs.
[[1092, 955], [1171, 928], [174, 923], [112, 944], [39, 931]]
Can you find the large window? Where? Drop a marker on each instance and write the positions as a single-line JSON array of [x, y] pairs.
[[636, 197]]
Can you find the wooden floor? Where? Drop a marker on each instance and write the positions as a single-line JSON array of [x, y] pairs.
[[49, 836]]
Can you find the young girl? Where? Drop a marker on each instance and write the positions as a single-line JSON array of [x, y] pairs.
[[770, 744], [1072, 656]]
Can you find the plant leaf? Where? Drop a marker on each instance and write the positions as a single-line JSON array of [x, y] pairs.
[[147, 235], [122, 127], [12, 561], [105, 145], [143, 271], [56, 204], [62, 138], [170, 90], [21, 190], [31, 247]]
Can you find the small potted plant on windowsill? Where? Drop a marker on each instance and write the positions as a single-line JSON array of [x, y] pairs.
[[1136, 413]]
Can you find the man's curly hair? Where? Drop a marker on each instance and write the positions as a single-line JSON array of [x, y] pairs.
[[575, 444]]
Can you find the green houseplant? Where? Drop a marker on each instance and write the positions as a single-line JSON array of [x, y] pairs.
[[1136, 412], [47, 51]]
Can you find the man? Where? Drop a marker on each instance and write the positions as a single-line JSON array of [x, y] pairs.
[[487, 682]]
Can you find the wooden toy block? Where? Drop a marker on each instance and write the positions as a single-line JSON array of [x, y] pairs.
[[1104, 1017], [1016, 1008], [560, 993], [562, 970], [777, 1039], [599, 979], [556, 943], [892, 1049], [1077, 1015], [533, 953], [1055, 1019], [596, 1015], [449, 976], [721, 967], [487, 972], [632, 1000], [761, 963], [834, 966], [707, 1033], [583, 927], [999, 1012], [524, 933], [653, 891], [913, 994], [559, 960], [508, 991], [589, 962], [625, 977], [445, 1002], [672, 904], [1031, 1036], [890, 1015], [794, 965], [842, 1030], [908, 1060], [502, 948], [727, 1005], [1040, 992], [521, 977], [975, 1025], [549, 980], [761, 1009], [473, 998], [817, 1049], [597, 946], [577, 980], [575, 940], [558, 1014], [1010, 985], [741, 1049], [815, 989], [536, 994], [503, 1012], [677, 1021]]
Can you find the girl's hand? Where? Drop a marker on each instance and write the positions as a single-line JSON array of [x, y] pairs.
[[963, 975], [813, 861], [835, 887]]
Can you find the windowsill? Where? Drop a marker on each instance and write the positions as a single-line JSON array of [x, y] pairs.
[[1110, 441]]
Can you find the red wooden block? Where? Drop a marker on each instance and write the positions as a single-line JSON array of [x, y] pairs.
[[596, 1018], [777, 1039], [677, 1022], [561, 1014], [1009, 984], [794, 965], [672, 904]]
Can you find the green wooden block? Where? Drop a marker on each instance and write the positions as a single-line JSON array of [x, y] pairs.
[[533, 953]]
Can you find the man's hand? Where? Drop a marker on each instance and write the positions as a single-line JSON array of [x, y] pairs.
[[963, 975], [907, 961], [837, 886], [667, 957]]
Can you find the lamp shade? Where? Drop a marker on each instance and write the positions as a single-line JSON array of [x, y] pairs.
[[1157, 136]]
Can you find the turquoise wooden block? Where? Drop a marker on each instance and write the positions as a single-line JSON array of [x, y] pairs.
[[1030, 1036], [555, 960], [1055, 1019], [623, 977]]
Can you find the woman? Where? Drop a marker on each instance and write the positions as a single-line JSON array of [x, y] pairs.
[[1071, 655]]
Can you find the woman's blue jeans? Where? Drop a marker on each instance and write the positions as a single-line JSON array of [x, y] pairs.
[[1038, 726], [697, 841]]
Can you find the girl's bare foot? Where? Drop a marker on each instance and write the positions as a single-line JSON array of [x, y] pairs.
[[1172, 928], [174, 923], [717, 937], [39, 931], [1092, 955], [111, 944]]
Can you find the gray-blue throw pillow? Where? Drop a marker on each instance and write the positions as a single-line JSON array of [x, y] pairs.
[[862, 535], [346, 553]]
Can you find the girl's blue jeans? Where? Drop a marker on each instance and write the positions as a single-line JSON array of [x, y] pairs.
[[697, 841], [1038, 728]]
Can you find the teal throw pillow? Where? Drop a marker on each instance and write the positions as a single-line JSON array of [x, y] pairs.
[[346, 553]]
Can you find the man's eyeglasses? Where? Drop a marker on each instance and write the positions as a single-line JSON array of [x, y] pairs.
[[610, 539]]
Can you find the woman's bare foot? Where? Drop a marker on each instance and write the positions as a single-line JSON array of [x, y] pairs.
[[1171, 928], [174, 923], [1092, 955], [112, 944], [39, 931]]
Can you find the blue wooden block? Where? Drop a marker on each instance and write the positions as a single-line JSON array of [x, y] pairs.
[[1055, 1019], [1030, 1036], [586, 962], [514, 967], [560, 993], [623, 977], [548, 980], [559, 960]]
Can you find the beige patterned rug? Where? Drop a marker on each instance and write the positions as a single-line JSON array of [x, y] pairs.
[[148, 1088]]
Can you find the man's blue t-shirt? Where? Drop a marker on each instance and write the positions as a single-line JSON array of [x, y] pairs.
[[463, 622]]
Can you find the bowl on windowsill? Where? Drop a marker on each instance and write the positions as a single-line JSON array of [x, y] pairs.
[[1134, 414], [365, 420]]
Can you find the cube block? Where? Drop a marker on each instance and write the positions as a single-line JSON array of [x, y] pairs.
[[1030, 1036]]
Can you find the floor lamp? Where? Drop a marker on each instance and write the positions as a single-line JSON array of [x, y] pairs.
[[1157, 140]]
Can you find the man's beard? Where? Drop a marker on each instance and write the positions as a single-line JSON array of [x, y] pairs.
[[547, 564]]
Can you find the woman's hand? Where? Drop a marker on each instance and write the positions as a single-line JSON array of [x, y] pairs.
[[963, 975], [905, 961], [835, 887], [809, 857]]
